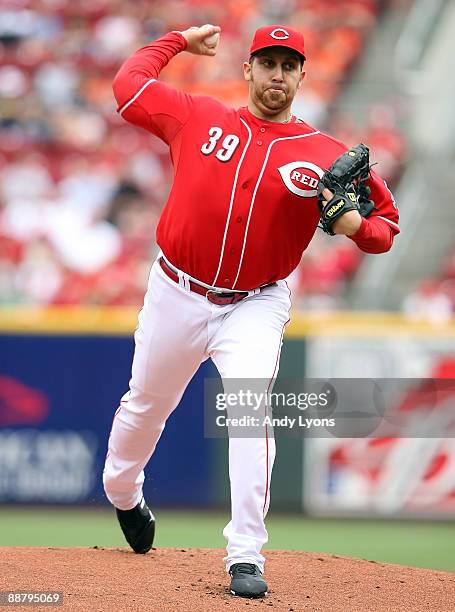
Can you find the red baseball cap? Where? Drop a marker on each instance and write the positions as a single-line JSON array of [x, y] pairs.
[[278, 35]]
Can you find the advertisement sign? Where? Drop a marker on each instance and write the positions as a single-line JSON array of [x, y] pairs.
[[407, 476], [58, 395]]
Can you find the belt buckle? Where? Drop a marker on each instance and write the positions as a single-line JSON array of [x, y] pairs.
[[215, 296]]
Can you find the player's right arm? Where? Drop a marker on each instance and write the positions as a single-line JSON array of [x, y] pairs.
[[144, 100]]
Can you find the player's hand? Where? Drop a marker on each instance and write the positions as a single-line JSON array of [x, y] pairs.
[[203, 40], [347, 224]]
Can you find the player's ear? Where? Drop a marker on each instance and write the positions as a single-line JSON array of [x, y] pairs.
[[247, 71], [302, 76]]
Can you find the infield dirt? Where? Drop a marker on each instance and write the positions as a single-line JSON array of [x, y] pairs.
[[168, 579]]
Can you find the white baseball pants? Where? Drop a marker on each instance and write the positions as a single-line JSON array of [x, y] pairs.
[[177, 331]]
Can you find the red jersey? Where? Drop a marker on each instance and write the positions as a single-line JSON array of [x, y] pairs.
[[243, 204]]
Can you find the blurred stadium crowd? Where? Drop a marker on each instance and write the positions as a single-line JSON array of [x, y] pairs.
[[433, 299], [81, 191]]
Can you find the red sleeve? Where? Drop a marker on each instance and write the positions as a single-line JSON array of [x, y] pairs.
[[147, 102], [377, 232]]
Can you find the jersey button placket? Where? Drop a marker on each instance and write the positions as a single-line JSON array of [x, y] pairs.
[[259, 140], [235, 238]]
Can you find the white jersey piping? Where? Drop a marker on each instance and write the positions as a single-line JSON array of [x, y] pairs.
[[387, 220], [136, 96], [232, 200], [257, 187]]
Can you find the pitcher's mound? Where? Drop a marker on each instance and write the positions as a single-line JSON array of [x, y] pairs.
[[167, 579]]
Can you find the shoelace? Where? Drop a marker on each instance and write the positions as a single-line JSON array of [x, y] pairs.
[[246, 568]]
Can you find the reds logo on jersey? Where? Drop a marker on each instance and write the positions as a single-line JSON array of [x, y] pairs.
[[301, 177]]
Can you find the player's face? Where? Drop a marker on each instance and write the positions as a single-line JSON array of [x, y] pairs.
[[274, 76]]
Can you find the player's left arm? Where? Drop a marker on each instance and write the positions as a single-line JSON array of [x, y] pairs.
[[377, 231]]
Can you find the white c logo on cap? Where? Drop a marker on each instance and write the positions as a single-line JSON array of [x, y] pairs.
[[279, 34]]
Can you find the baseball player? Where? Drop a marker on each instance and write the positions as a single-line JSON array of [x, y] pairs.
[[242, 209]]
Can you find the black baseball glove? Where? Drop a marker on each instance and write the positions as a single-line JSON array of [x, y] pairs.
[[346, 179]]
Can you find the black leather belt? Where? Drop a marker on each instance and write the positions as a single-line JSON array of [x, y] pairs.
[[215, 296]]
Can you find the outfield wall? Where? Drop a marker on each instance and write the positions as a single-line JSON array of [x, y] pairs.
[[410, 475], [63, 370]]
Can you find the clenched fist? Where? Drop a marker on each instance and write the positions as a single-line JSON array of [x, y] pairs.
[[203, 40]]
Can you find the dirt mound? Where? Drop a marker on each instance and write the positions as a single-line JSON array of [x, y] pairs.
[[166, 579]]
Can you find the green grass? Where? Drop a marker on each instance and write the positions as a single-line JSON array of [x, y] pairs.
[[421, 544]]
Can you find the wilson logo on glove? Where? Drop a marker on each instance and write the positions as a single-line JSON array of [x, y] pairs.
[[333, 209], [347, 180]]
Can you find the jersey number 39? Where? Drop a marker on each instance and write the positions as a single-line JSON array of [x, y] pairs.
[[227, 148]]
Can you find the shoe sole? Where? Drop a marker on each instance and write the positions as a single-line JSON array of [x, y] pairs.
[[250, 595]]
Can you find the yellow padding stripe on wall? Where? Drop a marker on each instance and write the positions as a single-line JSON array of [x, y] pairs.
[[121, 321], [365, 324], [64, 320]]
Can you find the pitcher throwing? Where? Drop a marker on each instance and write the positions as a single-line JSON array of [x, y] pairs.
[[246, 199]]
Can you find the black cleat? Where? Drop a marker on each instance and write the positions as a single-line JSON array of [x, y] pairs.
[[247, 580], [138, 526]]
